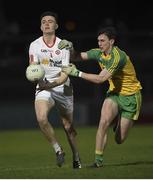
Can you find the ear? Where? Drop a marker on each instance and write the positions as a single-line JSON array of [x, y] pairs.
[[112, 41], [56, 26]]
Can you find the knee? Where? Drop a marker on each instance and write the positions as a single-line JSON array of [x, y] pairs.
[[70, 129], [42, 119], [104, 124]]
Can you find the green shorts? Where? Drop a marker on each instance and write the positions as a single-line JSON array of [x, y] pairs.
[[129, 106]]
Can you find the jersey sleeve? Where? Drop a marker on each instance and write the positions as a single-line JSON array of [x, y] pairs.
[[116, 62], [32, 54], [94, 54]]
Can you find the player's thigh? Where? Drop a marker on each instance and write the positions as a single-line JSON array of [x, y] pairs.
[[43, 104], [64, 104], [109, 110], [125, 126], [42, 107]]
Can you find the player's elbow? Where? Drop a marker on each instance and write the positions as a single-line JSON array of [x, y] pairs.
[[99, 80]]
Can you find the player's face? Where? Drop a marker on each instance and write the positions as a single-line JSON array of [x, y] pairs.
[[105, 44], [48, 24]]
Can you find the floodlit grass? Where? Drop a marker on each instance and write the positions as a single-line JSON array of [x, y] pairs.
[[26, 154]]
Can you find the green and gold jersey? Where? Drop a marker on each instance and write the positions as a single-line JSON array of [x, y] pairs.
[[124, 80]]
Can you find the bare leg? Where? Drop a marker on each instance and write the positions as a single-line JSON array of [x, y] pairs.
[[108, 113], [71, 136], [122, 130], [42, 109]]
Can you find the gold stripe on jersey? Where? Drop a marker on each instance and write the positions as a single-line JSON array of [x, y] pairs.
[[124, 80], [101, 65], [116, 61]]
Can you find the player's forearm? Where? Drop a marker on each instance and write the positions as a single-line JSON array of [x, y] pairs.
[[59, 81], [92, 78], [103, 76], [45, 84]]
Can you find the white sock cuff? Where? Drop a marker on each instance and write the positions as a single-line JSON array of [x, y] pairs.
[[80, 73], [56, 147]]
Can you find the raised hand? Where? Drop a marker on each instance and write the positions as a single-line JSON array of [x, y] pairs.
[[65, 44]]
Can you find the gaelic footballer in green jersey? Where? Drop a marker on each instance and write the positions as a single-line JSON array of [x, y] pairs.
[[123, 99]]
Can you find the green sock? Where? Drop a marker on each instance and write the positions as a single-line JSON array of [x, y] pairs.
[[99, 159]]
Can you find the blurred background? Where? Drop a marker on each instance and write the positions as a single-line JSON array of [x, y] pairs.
[[78, 22]]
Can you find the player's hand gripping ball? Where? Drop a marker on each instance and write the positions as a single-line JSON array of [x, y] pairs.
[[35, 72]]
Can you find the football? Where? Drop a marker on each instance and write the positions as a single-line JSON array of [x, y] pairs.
[[35, 72]]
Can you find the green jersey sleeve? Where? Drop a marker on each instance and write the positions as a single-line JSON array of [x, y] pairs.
[[94, 54], [117, 61], [113, 62]]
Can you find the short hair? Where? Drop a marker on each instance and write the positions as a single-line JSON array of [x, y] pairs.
[[109, 31], [49, 13]]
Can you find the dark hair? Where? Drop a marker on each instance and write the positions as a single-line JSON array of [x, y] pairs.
[[49, 13], [109, 31]]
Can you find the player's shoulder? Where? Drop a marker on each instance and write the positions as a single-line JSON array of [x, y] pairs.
[[120, 55], [36, 41], [57, 40], [95, 51], [118, 50]]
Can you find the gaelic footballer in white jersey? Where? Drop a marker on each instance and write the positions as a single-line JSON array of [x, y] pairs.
[[51, 58]]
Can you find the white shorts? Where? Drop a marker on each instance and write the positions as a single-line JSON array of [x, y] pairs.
[[64, 101]]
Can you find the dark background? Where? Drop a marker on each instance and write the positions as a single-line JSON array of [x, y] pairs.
[[78, 22]]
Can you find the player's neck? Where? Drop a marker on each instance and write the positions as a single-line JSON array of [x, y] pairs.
[[108, 51], [49, 39]]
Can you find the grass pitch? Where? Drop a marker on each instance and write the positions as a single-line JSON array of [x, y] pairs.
[[26, 154]]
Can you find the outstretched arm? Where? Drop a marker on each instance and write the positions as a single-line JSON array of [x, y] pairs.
[[95, 78]]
